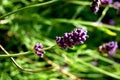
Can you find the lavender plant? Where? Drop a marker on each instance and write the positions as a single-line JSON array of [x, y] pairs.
[[106, 2], [78, 36], [96, 4], [109, 48], [38, 49], [33, 27], [116, 5]]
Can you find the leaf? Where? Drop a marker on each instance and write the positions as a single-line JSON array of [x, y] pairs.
[[110, 32], [5, 76]]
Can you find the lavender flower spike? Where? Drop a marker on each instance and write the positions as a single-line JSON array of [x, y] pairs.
[[111, 22], [116, 5], [95, 6], [78, 36], [109, 48], [106, 2], [38, 49]]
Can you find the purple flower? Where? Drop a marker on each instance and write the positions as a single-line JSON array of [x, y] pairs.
[[78, 36], [111, 22], [109, 48], [95, 63], [106, 2], [95, 6], [116, 5], [38, 49]]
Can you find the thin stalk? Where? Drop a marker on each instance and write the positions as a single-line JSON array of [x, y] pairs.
[[18, 66], [18, 54], [56, 66], [49, 47], [98, 69], [31, 6], [79, 9], [24, 53], [87, 23], [103, 14], [85, 3], [95, 54]]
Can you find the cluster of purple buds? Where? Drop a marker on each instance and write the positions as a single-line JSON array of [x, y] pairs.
[[116, 5], [109, 48], [39, 49], [95, 63], [111, 22], [96, 4], [78, 36], [106, 2]]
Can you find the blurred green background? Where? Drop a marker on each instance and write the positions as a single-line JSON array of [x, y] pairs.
[[20, 31]]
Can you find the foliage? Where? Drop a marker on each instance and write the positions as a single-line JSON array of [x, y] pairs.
[[23, 23]]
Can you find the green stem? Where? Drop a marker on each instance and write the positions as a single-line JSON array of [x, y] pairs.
[[18, 54], [18, 66], [24, 53], [106, 60], [98, 69], [94, 54], [49, 47], [85, 3], [87, 23], [103, 14], [79, 9], [31, 6]]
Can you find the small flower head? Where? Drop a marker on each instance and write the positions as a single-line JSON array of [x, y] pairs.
[[111, 22], [95, 6], [106, 2], [116, 5], [38, 49], [95, 63], [109, 48], [78, 36]]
